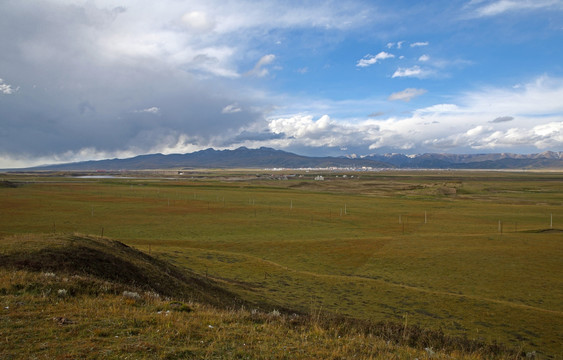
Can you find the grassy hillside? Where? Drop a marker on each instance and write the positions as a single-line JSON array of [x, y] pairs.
[[111, 261], [85, 297], [470, 254]]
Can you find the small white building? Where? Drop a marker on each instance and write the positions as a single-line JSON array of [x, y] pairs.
[[319, 178]]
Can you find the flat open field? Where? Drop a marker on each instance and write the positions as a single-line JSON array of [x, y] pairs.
[[473, 253]]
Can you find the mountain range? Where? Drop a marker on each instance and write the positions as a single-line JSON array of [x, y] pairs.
[[544, 160], [271, 158]]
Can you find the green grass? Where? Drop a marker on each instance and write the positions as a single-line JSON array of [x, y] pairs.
[[338, 245], [83, 310]]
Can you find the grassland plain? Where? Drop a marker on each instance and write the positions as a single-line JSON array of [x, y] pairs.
[[472, 253]]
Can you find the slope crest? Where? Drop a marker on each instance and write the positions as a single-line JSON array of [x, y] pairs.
[[109, 260]]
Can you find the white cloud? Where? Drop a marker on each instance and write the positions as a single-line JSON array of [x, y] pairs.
[[6, 89], [260, 69], [265, 60], [152, 110], [221, 33], [415, 71], [213, 61], [439, 108], [8, 161], [302, 128], [245, 14], [198, 21], [373, 59], [231, 109], [541, 137], [301, 125], [424, 58], [541, 97], [407, 94], [477, 131], [502, 6], [460, 126], [537, 122], [398, 44], [420, 43]]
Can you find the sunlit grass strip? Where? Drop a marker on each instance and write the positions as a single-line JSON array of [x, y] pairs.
[[112, 325]]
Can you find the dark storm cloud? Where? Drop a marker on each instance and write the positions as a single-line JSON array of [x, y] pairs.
[[74, 94], [85, 106], [502, 119]]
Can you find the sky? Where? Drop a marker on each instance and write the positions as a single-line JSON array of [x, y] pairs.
[[97, 79]]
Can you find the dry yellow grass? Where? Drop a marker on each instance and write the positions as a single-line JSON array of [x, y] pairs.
[[40, 321]]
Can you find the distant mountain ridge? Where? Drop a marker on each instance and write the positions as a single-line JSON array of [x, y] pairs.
[[271, 158], [547, 159], [211, 158]]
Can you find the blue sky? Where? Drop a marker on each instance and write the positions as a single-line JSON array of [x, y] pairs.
[[107, 78]]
